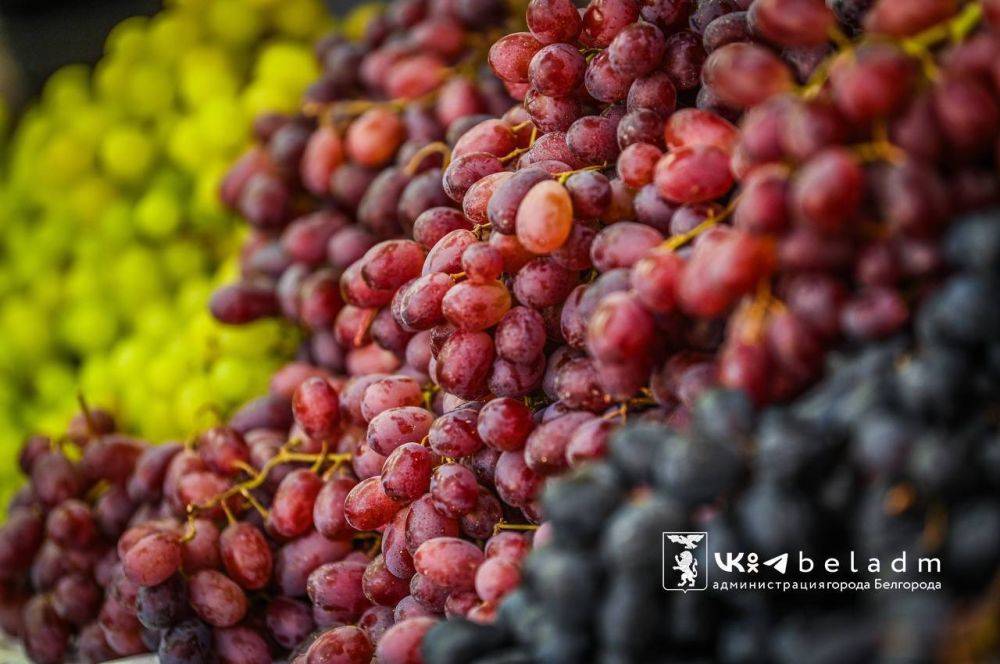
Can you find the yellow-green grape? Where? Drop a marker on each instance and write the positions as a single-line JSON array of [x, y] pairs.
[[55, 383], [115, 224], [288, 67], [300, 18], [184, 259], [67, 89], [222, 124], [64, 159], [231, 378], [233, 23], [112, 80], [206, 72], [151, 89], [90, 198], [87, 327], [27, 331], [196, 405], [127, 40], [172, 35], [127, 154], [158, 214], [207, 213]]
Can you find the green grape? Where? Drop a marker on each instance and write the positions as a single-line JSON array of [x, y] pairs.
[[231, 378], [155, 321], [128, 359], [288, 65], [127, 154], [194, 296], [168, 370], [97, 381], [47, 292], [127, 40], [233, 23], [115, 224], [159, 421], [158, 214], [183, 259], [195, 404], [207, 213], [263, 97], [54, 381], [206, 72], [27, 331], [68, 88], [82, 282], [92, 122], [64, 159], [137, 279], [301, 18], [87, 326], [172, 35], [112, 80], [184, 144], [223, 124], [91, 197], [151, 89]]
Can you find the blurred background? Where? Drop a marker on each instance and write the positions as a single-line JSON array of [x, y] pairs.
[[37, 37]]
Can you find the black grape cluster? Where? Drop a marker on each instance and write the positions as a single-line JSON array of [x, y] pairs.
[[897, 449]]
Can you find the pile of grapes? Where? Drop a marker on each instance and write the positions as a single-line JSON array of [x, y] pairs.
[[501, 247], [112, 231], [896, 450]]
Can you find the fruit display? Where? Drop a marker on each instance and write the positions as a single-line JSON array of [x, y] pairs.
[[112, 232], [896, 449], [565, 279]]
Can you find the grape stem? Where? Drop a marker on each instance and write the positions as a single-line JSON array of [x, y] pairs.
[[680, 240], [257, 478], [503, 525], [565, 175], [437, 147], [87, 415]]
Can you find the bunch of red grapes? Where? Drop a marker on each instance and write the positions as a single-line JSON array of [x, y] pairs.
[[240, 545], [690, 195]]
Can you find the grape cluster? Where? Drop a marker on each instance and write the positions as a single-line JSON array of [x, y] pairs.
[[356, 166], [745, 191], [112, 229], [691, 196], [282, 533], [896, 449]]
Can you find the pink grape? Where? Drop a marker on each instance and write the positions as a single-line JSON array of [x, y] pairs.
[[367, 506], [216, 598], [449, 562]]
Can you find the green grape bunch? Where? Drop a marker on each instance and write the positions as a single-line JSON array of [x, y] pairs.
[[113, 237]]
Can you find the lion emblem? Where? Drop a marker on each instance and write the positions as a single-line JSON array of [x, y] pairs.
[[687, 565]]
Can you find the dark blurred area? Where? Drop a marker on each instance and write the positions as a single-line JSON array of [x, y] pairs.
[[39, 36]]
